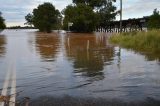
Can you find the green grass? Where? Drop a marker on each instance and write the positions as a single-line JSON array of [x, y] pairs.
[[140, 41]]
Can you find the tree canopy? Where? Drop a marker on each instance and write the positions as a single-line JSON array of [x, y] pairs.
[[94, 3], [154, 20], [85, 15], [29, 19], [2, 23], [88, 14], [107, 13], [82, 17], [45, 17]]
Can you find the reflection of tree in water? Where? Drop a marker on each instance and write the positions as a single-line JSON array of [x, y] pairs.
[[2, 44], [90, 62], [47, 45]]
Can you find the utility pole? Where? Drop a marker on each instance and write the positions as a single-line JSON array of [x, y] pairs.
[[120, 15]]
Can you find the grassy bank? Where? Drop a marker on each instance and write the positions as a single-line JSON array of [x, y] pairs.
[[148, 42]]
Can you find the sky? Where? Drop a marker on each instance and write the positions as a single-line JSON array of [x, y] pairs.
[[14, 11]]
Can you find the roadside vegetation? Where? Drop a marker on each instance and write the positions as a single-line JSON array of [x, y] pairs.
[[2, 23], [147, 42], [84, 15], [143, 41]]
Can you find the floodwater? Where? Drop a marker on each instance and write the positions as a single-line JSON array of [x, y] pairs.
[[76, 65]]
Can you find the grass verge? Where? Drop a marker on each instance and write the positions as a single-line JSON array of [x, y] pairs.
[[146, 42]]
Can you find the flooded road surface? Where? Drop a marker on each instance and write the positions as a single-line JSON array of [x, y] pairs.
[[34, 65]]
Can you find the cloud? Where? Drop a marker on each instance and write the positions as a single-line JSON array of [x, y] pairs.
[[139, 8], [14, 11]]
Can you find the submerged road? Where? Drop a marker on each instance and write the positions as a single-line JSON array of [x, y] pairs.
[[36, 65], [9, 95]]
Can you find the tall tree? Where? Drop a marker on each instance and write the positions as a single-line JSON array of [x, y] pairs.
[[2, 23], [107, 12], [105, 9], [154, 20], [44, 17]]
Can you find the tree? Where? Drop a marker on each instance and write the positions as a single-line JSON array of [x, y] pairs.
[[82, 16], [154, 20], [107, 13], [104, 9], [29, 19], [44, 17], [91, 3], [2, 23], [94, 3]]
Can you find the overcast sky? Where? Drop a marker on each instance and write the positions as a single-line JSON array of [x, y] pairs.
[[14, 11]]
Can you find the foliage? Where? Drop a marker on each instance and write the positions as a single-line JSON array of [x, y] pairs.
[[94, 3], [154, 20], [45, 17], [107, 13], [88, 14], [2, 23], [29, 19], [141, 41], [82, 17]]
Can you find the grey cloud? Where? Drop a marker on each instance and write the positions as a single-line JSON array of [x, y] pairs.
[[139, 8], [15, 10]]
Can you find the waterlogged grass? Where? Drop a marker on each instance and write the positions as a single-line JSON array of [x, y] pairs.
[[146, 42]]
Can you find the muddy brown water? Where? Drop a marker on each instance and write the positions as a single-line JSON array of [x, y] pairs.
[[77, 65]]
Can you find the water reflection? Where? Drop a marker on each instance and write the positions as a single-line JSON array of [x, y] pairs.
[[151, 56], [2, 45], [86, 66], [47, 45], [89, 54]]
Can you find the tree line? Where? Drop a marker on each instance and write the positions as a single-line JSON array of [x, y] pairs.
[[83, 16]]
